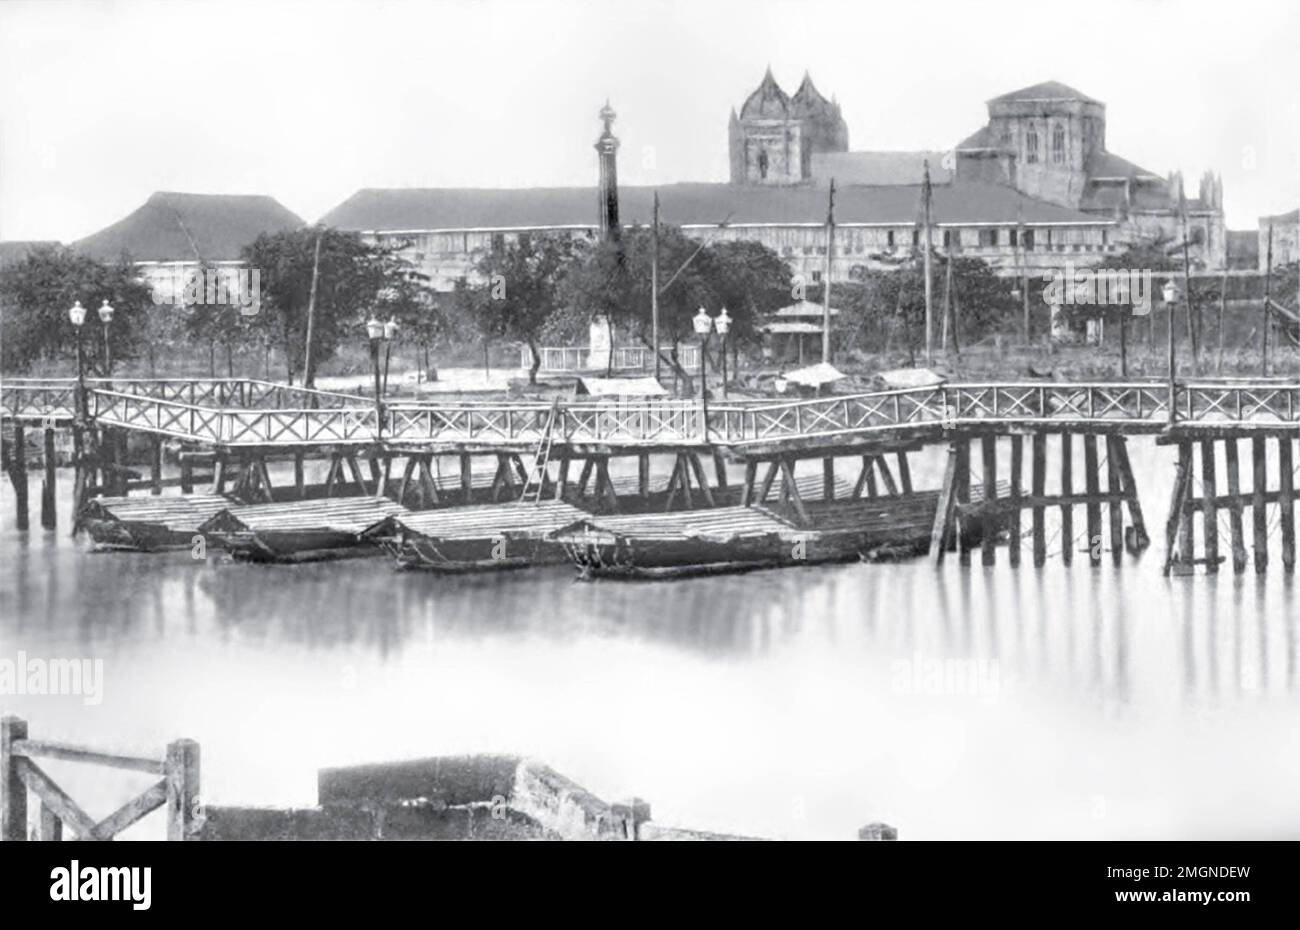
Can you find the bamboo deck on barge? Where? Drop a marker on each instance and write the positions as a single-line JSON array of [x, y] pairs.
[[297, 531], [476, 538], [149, 524]]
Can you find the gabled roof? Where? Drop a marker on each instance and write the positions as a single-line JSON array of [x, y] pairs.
[[768, 101], [1047, 90], [878, 167], [173, 226], [981, 138], [414, 209], [1109, 165]]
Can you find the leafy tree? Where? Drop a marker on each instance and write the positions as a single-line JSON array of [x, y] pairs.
[[36, 292], [522, 291], [355, 280]]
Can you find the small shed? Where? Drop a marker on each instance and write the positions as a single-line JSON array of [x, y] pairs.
[[619, 387], [815, 378], [791, 327]]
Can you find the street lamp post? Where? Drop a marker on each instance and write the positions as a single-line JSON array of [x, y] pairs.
[[390, 333], [77, 314], [703, 326], [106, 317], [722, 324], [375, 330], [1170, 294]]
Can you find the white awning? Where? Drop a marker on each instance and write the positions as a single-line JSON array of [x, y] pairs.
[[816, 375], [621, 387]]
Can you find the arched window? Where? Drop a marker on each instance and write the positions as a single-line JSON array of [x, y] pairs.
[[1058, 145], [762, 163], [1031, 145]]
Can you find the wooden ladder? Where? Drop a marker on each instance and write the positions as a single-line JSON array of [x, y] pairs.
[[535, 482]]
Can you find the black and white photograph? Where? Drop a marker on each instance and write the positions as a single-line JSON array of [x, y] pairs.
[[858, 424]]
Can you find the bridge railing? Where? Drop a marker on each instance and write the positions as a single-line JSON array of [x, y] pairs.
[[266, 413]]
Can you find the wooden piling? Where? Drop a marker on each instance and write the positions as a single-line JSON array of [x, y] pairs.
[[989, 538], [1209, 507], [1038, 488], [1067, 489], [904, 473], [13, 791], [962, 540], [49, 511], [747, 491], [467, 477], [1258, 513], [1013, 524], [1115, 503], [1286, 501], [182, 778], [946, 506], [1092, 506], [1235, 529], [299, 476], [155, 465], [828, 479], [1138, 539], [643, 475], [1177, 503], [18, 474]]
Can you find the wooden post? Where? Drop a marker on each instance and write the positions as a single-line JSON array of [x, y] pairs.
[[299, 479], [49, 511], [155, 465], [78, 475], [18, 474], [698, 468], [886, 476], [187, 474], [643, 475], [989, 537], [1182, 481], [182, 776], [828, 478], [963, 496], [1037, 489], [51, 827], [467, 477], [1209, 506], [1138, 539], [1092, 485], [13, 792], [1234, 510], [1115, 504], [946, 505], [791, 490], [766, 487], [1067, 489], [1286, 502], [1017, 467], [904, 473], [1258, 511], [1187, 525], [562, 482], [219, 473], [747, 492], [720, 469]]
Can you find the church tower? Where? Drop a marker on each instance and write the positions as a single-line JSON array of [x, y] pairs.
[[775, 136], [607, 151]]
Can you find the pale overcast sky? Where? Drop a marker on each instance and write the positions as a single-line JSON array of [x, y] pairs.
[[102, 103]]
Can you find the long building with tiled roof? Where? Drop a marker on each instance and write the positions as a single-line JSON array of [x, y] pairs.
[[1030, 191]]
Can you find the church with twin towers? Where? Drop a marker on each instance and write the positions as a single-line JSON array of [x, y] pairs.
[[1032, 190]]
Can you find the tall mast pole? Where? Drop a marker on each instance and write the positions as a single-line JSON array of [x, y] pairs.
[[929, 296], [826, 288], [308, 376], [654, 284], [1268, 292]]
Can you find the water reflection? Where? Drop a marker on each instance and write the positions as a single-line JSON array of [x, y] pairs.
[[840, 685]]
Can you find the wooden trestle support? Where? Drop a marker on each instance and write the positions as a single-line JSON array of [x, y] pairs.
[[996, 514], [1199, 493]]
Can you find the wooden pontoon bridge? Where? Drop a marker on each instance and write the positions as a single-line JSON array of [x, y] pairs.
[[235, 426]]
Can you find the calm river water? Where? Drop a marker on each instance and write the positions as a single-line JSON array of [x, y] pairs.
[[953, 703]]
